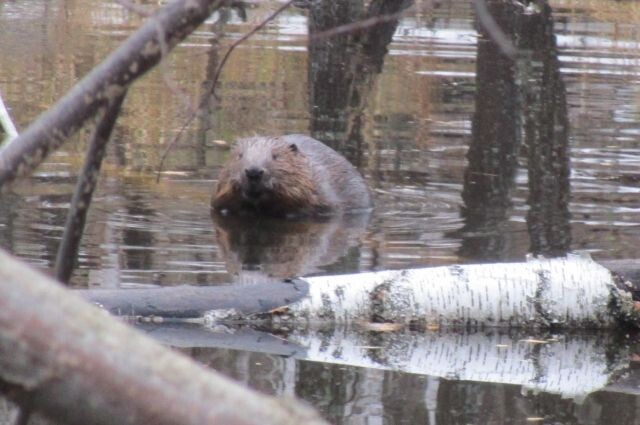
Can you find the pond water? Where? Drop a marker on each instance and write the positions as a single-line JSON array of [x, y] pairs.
[[471, 157]]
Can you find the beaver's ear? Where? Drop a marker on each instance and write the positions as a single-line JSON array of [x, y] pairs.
[[293, 147]]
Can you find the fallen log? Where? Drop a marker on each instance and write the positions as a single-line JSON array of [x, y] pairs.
[[71, 362], [570, 293]]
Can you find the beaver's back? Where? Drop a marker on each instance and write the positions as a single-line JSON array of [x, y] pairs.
[[338, 182]]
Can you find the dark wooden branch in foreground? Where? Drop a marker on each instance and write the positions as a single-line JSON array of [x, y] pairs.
[[103, 85], [75, 364], [87, 181], [568, 293]]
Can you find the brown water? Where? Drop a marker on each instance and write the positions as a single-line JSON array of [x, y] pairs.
[[460, 169]]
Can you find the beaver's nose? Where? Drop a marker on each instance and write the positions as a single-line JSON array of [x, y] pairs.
[[254, 173]]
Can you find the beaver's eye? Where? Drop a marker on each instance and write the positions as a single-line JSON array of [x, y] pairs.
[[274, 156]]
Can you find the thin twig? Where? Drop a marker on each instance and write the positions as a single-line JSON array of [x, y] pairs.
[[356, 26], [211, 90], [493, 29], [241, 40]]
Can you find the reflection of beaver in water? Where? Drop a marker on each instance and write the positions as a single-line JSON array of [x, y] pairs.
[[288, 176], [269, 249]]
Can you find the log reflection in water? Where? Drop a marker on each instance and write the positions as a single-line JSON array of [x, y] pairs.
[[570, 365]]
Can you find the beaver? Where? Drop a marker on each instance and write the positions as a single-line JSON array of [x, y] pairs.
[[293, 175]]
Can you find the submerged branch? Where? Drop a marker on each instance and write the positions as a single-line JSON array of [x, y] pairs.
[[195, 301]]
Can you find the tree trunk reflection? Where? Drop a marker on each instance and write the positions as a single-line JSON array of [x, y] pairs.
[[516, 99]]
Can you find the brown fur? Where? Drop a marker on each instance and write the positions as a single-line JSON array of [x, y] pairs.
[[295, 179]]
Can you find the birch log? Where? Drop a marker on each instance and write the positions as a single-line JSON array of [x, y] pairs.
[[77, 365], [571, 292]]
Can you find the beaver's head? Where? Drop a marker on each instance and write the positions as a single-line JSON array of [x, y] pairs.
[[267, 175]]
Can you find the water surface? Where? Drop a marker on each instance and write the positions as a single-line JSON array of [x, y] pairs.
[[426, 107]]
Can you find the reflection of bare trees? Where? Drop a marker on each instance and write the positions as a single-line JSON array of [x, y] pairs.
[[546, 137], [343, 68], [516, 98], [493, 151]]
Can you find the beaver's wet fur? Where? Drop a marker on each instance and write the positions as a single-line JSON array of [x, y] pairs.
[[289, 176]]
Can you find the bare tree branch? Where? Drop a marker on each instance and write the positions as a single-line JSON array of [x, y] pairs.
[[87, 180], [103, 85], [497, 35], [356, 26]]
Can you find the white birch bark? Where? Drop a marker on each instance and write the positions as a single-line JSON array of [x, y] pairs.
[[571, 292], [572, 367]]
